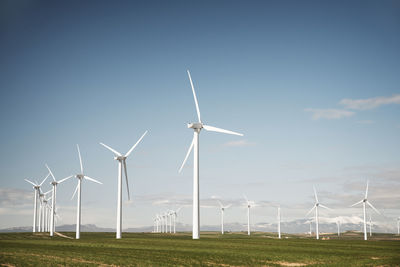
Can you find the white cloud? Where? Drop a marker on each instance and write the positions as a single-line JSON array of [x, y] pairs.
[[329, 113], [369, 103], [238, 143]]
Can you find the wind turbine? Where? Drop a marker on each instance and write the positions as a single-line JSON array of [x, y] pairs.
[[370, 225], [41, 210], [279, 222], [122, 165], [54, 183], [175, 215], [365, 201], [248, 214], [197, 126], [338, 227], [222, 207], [80, 176], [36, 187], [316, 205]]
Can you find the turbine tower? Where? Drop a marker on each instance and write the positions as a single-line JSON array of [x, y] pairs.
[[80, 176], [365, 201], [36, 188], [248, 214], [316, 205], [370, 225], [54, 183], [338, 227], [122, 165], [222, 207], [197, 126], [279, 222]]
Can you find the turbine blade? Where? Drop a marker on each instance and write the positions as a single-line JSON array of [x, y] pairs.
[[195, 97], [112, 150], [187, 155], [51, 190], [219, 130], [359, 202], [311, 210], [80, 158], [227, 207], [140, 139], [76, 189], [220, 204], [30, 182], [366, 191], [244, 196], [373, 208], [126, 177], [50, 172], [47, 176], [63, 180], [91, 179], [325, 207], [315, 194]]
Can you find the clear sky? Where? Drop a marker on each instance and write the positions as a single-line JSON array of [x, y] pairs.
[[313, 85]]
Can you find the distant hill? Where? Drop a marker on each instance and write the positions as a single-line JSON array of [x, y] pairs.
[[293, 227]]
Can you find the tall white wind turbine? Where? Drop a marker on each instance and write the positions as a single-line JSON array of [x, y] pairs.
[[365, 202], [222, 207], [36, 188], [338, 227], [316, 205], [54, 183], [197, 126], [248, 203], [80, 176], [122, 165]]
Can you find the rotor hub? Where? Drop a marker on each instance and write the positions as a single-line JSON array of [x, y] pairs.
[[79, 176], [195, 125], [120, 158]]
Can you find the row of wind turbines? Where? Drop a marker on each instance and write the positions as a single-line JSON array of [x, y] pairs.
[[160, 221]]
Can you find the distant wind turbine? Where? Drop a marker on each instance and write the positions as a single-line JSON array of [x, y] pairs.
[[248, 214], [316, 205], [175, 215], [122, 165], [365, 201], [222, 207], [54, 183], [36, 188], [279, 222], [197, 126], [80, 176]]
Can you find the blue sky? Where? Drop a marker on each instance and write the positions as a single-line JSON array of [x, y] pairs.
[[313, 85]]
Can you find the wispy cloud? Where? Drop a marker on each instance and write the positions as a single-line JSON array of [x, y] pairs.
[[238, 143], [369, 103], [15, 197], [329, 113], [365, 122]]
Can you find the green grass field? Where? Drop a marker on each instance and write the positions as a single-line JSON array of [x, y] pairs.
[[232, 249]]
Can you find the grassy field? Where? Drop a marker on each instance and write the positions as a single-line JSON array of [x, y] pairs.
[[232, 249]]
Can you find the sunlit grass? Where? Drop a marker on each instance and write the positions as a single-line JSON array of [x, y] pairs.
[[213, 249]]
